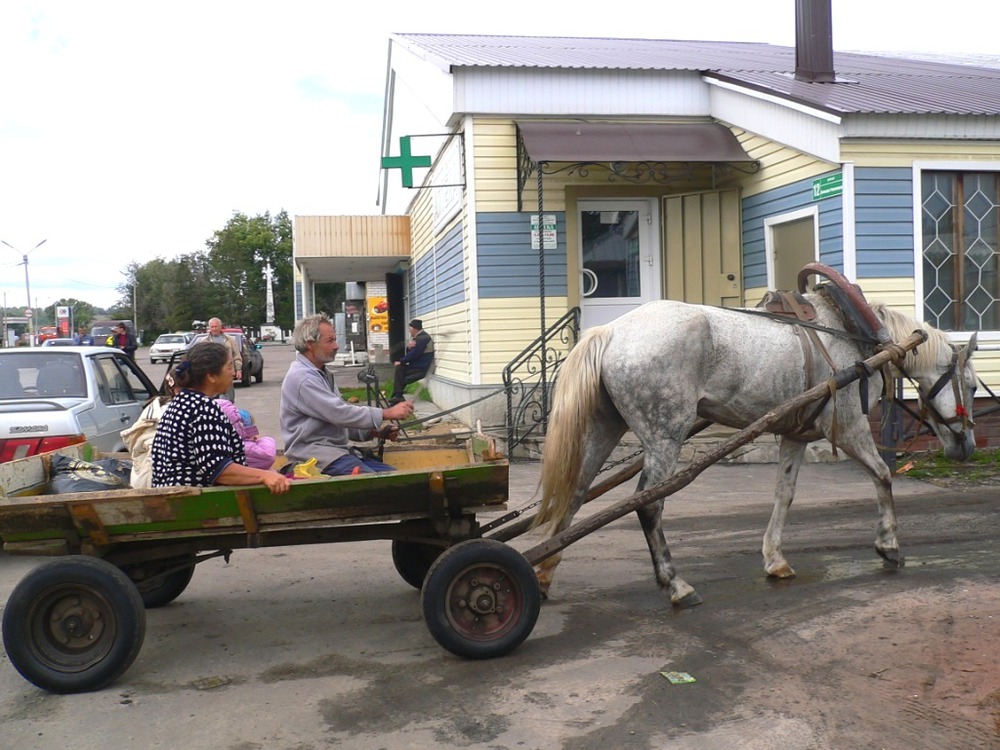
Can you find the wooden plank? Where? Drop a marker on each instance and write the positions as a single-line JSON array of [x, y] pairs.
[[120, 515]]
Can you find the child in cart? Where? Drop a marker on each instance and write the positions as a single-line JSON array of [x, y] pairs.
[[260, 450]]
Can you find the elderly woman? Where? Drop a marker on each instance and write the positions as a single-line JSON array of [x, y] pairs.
[[195, 443]]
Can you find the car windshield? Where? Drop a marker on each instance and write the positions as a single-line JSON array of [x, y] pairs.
[[171, 339], [42, 374]]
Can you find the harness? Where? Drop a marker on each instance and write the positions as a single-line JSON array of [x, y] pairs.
[[864, 328]]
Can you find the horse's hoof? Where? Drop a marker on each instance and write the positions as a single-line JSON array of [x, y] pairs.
[[688, 600], [891, 558], [782, 571], [893, 563]]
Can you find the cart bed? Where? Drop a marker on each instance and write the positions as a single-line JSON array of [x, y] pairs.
[[314, 510]]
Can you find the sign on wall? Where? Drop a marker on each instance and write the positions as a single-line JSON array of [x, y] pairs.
[[828, 187], [548, 232]]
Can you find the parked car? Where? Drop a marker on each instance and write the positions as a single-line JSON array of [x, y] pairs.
[[253, 360], [57, 342], [167, 344], [54, 397]]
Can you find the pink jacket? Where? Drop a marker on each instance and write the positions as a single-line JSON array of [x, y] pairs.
[[261, 451]]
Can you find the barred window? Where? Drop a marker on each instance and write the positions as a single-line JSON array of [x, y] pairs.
[[961, 256]]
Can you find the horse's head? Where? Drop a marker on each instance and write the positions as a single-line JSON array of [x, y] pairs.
[[946, 387]]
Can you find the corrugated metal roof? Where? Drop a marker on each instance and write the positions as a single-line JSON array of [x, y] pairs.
[[867, 83]]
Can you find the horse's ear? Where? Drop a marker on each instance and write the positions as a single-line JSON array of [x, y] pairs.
[[971, 346]]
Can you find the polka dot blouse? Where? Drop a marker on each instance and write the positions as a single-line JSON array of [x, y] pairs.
[[194, 442]]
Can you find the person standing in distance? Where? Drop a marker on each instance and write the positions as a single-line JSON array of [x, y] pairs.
[[82, 338], [124, 340], [217, 336], [316, 422]]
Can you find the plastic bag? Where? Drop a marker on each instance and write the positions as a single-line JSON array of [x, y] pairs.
[[73, 475], [307, 470]]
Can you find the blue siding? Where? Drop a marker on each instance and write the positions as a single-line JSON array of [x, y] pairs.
[[436, 280], [782, 200], [884, 222], [508, 267]]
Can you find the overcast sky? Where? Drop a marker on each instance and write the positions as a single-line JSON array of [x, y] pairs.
[[133, 130]]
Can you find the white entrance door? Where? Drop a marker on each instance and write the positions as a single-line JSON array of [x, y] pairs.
[[619, 258]]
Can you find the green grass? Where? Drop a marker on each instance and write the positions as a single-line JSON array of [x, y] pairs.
[[983, 464], [362, 393]]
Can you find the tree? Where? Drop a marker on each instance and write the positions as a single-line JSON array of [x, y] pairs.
[[226, 280], [237, 256]]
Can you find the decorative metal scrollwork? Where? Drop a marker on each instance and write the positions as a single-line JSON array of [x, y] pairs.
[[527, 404]]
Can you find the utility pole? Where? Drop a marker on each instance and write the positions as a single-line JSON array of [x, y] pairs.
[[27, 286]]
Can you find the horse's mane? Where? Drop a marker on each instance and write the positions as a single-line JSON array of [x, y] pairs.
[[901, 325]]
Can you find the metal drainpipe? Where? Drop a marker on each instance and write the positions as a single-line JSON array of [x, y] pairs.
[[541, 300]]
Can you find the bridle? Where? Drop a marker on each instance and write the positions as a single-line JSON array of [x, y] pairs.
[[963, 406]]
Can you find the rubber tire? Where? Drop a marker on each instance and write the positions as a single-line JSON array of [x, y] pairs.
[[413, 560], [168, 589], [81, 584], [259, 377], [501, 573]]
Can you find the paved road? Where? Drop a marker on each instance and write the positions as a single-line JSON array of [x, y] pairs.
[[324, 646]]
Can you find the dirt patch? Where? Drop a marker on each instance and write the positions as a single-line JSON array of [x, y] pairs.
[[931, 655]]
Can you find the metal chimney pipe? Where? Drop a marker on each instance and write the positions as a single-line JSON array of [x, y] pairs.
[[814, 41]]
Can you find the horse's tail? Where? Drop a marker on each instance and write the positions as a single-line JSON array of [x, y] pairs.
[[574, 404]]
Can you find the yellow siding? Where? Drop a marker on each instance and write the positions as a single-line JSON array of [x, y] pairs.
[[508, 326], [898, 294], [449, 327], [779, 165], [356, 236], [422, 224], [877, 153]]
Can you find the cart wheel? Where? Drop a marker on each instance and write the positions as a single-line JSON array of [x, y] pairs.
[[159, 593], [73, 625], [413, 560], [481, 599]]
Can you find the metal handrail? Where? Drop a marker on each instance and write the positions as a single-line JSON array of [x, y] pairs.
[[531, 375]]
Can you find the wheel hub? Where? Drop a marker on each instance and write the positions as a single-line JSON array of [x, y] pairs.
[[73, 623]]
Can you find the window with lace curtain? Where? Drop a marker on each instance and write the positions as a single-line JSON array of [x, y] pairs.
[[961, 256]]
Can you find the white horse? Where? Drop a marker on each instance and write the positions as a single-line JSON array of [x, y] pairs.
[[661, 367]]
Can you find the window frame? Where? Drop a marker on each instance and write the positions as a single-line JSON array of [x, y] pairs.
[[943, 165]]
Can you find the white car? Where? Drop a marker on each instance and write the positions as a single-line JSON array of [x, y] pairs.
[[54, 397], [166, 345]]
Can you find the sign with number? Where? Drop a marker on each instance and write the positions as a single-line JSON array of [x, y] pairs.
[[29, 312], [828, 187]]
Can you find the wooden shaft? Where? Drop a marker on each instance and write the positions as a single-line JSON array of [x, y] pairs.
[[683, 478]]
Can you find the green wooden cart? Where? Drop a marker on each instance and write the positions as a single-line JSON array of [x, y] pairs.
[[77, 622]]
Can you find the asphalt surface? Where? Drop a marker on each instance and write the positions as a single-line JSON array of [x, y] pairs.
[[324, 646]]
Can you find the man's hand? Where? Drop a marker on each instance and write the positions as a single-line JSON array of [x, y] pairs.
[[400, 411]]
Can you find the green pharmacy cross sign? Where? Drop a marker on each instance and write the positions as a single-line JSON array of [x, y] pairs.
[[405, 162]]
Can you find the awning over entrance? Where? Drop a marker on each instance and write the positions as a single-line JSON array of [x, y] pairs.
[[569, 141]]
